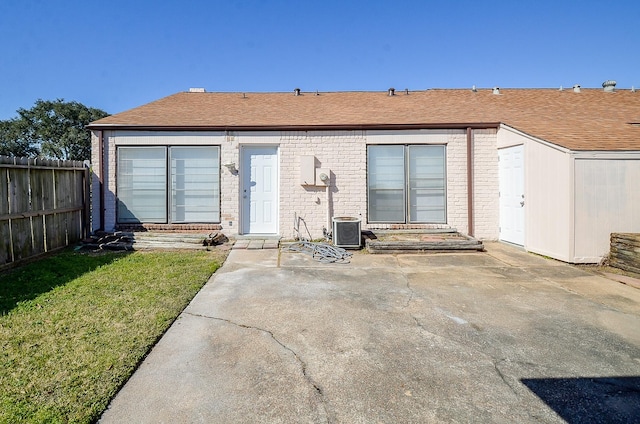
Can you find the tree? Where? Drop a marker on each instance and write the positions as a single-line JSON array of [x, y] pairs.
[[53, 129], [13, 141]]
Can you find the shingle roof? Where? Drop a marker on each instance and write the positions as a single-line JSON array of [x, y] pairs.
[[589, 120]]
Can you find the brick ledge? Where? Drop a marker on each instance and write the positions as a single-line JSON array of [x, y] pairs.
[[169, 227]]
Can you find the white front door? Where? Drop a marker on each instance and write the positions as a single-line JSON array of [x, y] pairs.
[[259, 190], [512, 199]]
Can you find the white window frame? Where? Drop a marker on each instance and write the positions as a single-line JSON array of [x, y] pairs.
[[183, 196], [133, 199], [407, 185], [169, 196]]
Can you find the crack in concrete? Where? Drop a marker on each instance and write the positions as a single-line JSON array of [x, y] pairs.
[[319, 392], [494, 361], [496, 366], [503, 377], [498, 259], [406, 278], [411, 294]]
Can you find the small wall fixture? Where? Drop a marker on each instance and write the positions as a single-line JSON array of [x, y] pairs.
[[323, 177], [231, 167]]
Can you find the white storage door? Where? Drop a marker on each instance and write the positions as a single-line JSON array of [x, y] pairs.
[[512, 199]]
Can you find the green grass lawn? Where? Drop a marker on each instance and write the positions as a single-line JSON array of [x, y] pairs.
[[73, 327]]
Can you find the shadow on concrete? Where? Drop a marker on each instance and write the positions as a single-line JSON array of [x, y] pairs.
[[590, 400]]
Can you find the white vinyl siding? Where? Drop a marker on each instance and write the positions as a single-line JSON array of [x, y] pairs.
[[184, 189], [405, 179], [142, 184]]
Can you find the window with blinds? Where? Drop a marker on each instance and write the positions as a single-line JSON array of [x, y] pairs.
[[406, 183], [195, 182], [142, 184], [177, 184]]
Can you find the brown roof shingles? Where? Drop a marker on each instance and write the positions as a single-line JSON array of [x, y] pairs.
[[589, 120]]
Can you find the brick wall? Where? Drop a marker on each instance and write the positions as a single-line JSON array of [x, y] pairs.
[[486, 185], [457, 198], [109, 165], [229, 184], [95, 181], [110, 192], [344, 154]]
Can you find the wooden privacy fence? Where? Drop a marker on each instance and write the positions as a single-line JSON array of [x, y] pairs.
[[44, 205]]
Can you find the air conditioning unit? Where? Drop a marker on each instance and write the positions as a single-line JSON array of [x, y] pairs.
[[346, 232]]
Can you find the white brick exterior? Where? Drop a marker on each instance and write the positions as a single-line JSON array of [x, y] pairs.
[[486, 201], [108, 163], [344, 153], [95, 181]]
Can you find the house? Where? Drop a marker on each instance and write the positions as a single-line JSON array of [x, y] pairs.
[[555, 171]]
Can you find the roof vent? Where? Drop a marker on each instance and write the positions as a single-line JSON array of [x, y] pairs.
[[576, 88], [609, 86], [392, 91], [474, 89], [633, 89], [406, 91], [296, 91], [196, 90], [496, 90]]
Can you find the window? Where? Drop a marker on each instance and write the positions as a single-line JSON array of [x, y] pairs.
[[406, 184], [195, 182], [184, 189], [142, 184]]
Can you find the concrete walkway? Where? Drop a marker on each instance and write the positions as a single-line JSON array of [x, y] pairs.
[[501, 337], [256, 244]]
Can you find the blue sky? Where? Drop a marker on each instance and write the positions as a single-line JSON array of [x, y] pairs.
[[115, 55]]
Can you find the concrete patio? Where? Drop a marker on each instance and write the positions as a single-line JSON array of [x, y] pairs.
[[501, 336]]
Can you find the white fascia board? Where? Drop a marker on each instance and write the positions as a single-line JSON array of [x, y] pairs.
[[606, 154]]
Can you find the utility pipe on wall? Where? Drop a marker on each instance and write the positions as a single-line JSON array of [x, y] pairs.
[[326, 179], [470, 181]]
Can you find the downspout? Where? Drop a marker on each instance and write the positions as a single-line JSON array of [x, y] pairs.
[[101, 177], [470, 181]]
